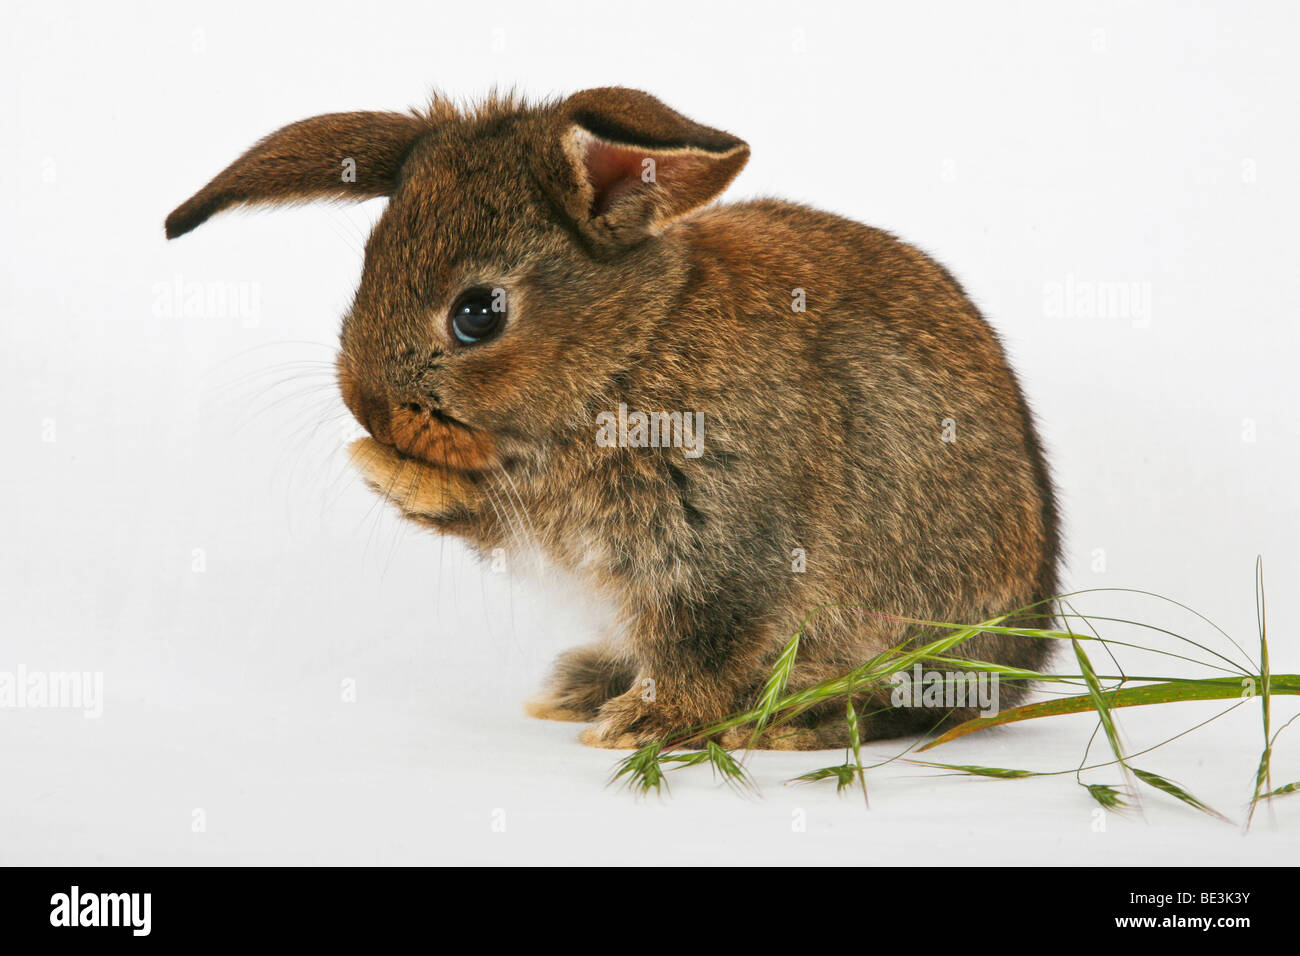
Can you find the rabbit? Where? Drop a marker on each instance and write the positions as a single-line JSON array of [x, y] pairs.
[[840, 444]]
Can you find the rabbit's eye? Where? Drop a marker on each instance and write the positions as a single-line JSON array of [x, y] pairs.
[[478, 314]]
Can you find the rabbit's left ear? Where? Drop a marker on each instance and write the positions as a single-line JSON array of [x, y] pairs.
[[350, 156], [633, 164]]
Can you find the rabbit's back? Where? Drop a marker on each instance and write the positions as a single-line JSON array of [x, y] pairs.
[[868, 417]]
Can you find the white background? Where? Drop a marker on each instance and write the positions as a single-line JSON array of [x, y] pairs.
[[1026, 148]]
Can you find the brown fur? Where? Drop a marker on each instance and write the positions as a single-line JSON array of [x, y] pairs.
[[822, 427]]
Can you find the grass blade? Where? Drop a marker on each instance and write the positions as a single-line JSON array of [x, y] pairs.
[[643, 770], [1156, 692], [770, 698], [1099, 704], [1109, 797], [731, 772], [1264, 776], [1171, 788], [843, 773], [855, 745], [1000, 772]]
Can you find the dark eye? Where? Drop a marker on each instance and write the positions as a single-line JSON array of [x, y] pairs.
[[478, 314]]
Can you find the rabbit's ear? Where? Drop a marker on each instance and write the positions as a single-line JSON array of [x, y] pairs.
[[336, 156], [636, 164]]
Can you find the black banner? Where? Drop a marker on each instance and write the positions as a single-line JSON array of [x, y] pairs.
[[130, 905]]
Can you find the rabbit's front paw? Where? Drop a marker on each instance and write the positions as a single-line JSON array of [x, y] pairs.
[[636, 719], [622, 725], [417, 488]]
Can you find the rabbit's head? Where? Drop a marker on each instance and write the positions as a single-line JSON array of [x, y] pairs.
[[522, 259]]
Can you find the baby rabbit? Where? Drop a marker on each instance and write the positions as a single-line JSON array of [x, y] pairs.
[[719, 417]]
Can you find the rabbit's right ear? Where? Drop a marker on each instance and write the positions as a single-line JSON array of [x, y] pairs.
[[626, 164], [336, 156]]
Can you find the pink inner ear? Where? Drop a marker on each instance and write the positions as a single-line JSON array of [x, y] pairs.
[[614, 171]]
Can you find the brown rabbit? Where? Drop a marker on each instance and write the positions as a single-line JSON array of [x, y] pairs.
[[842, 426]]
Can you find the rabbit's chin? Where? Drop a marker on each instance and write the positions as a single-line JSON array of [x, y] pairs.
[[415, 486]]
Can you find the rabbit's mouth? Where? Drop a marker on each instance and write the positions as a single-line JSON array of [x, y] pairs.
[[433, 436], [418, 428]]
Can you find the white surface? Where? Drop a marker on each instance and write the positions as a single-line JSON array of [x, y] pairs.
[[1024, 147]]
